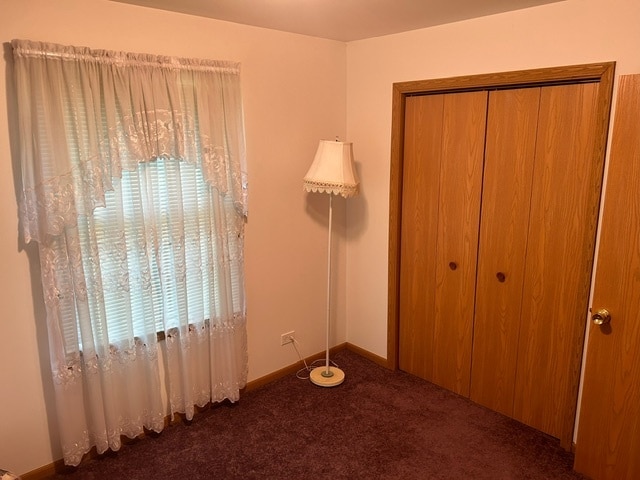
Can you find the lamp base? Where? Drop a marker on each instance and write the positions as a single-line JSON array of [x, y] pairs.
[[319, 376]]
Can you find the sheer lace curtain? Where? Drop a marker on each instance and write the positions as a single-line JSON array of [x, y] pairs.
[[134, 187]]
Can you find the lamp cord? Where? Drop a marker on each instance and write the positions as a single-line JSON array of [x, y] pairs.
[[303, 373]]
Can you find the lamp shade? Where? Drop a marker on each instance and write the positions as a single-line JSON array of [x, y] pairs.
[[332, 170]]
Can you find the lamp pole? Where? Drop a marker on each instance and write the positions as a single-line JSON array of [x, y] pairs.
[[328, 372]]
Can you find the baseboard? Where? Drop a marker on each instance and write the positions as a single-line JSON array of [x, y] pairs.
[[383, 362], [46, 471], [291, 369], [58, 466]]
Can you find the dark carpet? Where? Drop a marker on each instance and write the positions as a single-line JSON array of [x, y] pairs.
[[378, 424]]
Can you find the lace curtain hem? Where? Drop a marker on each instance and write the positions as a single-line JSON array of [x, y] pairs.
[[206, 354]]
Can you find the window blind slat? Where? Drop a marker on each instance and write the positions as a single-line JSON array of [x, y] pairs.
[[174, 228]]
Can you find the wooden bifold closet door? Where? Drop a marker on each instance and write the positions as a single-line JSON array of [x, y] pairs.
[[499, 207], [440, 235], [508, 178]]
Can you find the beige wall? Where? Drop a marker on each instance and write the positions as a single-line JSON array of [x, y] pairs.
[[294, 94], [296, 90], [564, 33]]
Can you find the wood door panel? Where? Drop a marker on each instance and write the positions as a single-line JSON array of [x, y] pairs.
[[608, 442], [442, 177], [565, 199], [506, 198], [421, 175], [463, 132]]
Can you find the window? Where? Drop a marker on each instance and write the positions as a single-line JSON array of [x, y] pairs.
[[134, 188], [167, 236]]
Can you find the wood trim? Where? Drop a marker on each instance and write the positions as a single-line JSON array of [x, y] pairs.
[[291, 369], [368, 355], [594, 72], [47, 471], [605, 94], [395, 221]]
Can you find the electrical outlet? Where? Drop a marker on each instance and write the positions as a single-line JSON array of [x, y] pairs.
[[286, 338]]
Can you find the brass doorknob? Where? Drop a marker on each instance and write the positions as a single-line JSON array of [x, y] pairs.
[[601, 317]]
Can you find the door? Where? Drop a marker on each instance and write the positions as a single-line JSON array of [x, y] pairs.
[[506, 199], [608, 442], [540, 199], [565, 197], [418, 280], [444, 151]]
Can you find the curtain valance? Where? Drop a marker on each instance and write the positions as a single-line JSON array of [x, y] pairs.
[[135, 108]]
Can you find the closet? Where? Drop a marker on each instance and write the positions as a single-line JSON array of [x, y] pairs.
[[498, 191]]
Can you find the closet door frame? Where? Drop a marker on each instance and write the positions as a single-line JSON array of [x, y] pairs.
[[603, 73]]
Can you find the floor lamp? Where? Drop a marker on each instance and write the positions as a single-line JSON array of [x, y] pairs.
[[332, 172]]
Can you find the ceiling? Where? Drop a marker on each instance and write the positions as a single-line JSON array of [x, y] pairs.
[[343, 20]]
